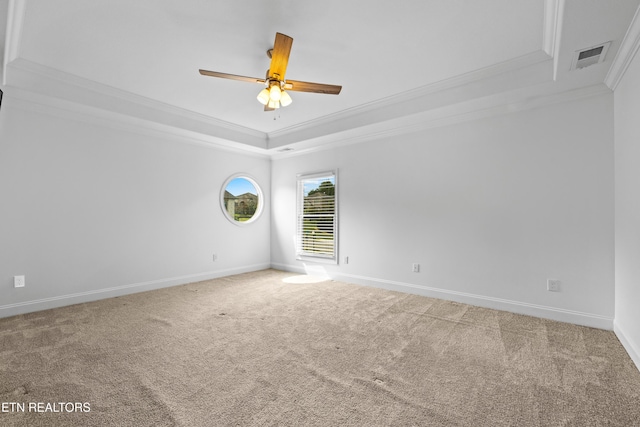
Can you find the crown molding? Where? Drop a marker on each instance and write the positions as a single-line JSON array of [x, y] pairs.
[[468, 109], [525, 70], [15, 21], [103, 100], [42, 104], [552, 32], [552, 27], [60, 85], [476, 109], [159, 120], [626, 53]]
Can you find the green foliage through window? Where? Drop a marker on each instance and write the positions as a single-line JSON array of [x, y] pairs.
[[241, 200], [316, 231]]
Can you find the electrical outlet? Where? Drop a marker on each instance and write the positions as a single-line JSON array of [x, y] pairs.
[[18, 281], [346, 260], [415, 268], [553, 285], [215, 257]]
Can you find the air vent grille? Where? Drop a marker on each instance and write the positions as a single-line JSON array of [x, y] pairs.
[[589, 53], [592, 55]]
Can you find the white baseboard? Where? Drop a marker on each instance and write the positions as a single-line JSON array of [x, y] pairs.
[[632, 349], [545, 312], [98, 294], [291, 268]]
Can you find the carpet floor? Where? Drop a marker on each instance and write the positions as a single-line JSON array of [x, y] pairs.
[[261, 349]]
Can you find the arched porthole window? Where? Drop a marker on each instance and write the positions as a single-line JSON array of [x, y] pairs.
[[241, 199]]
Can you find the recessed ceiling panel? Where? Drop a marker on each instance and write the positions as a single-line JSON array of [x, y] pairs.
[[374, 49]]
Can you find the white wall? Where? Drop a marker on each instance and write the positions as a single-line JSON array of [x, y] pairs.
[[90, 211], [627, 208], [490, 209]]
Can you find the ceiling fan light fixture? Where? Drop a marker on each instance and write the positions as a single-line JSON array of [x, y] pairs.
[[273, 95], [285, 99], [263, 96]]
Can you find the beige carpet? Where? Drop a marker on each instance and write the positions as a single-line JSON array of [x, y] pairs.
[[253, 349]]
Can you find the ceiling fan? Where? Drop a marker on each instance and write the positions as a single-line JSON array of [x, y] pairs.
[[275, 93]]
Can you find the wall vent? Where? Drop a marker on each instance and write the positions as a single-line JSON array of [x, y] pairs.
[[589, 56]]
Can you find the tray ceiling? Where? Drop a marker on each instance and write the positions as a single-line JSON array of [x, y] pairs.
[[394, 59]]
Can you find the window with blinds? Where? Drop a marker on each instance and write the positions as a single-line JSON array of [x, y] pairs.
[[316, 231]]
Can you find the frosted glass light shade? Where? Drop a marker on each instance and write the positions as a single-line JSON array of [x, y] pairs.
[[285, 99], [275, 93], [274, 104], [263, 96]]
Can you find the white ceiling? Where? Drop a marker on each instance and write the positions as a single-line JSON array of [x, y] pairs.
[[399, 62]]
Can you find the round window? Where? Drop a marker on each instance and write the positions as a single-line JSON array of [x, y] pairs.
[[241, 199]]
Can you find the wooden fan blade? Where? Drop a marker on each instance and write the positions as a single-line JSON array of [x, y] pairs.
[[299, 86], [280, 56], [267, 108], [232, 76]]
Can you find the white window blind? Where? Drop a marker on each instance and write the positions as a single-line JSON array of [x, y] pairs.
[[316, 231]]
